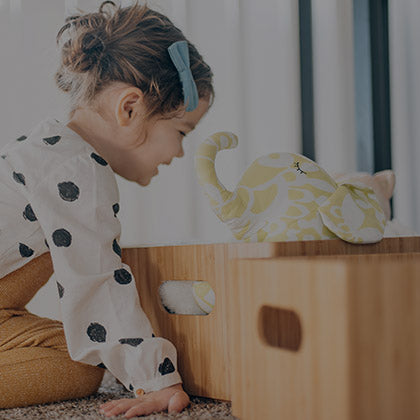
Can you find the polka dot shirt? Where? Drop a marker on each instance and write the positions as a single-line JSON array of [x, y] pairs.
[[58, 194]]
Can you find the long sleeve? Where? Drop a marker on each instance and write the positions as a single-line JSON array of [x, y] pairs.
[[76, 206]]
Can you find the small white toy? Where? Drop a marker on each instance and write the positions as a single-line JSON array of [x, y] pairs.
[[187, 297]]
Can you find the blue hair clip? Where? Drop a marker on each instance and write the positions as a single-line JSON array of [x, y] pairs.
[[179, 54]]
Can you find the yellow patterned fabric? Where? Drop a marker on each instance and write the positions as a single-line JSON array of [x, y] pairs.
[[204, 296], [288, 197]]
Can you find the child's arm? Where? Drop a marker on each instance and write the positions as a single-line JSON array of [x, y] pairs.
[[103, 321]]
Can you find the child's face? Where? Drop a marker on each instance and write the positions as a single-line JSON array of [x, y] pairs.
[[134, 146], [158, 143]]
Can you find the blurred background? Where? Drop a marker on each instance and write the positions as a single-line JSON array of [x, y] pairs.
[[336, 80]]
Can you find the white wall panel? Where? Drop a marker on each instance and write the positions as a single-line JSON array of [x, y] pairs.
[[404, 37], [334, 84]]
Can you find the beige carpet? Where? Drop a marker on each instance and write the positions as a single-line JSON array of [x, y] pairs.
[[88, 408]]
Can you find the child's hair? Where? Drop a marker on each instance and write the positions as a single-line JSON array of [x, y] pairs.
[[126, 45]]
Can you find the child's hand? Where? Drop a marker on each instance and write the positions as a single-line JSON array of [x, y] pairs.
[[172, 398]]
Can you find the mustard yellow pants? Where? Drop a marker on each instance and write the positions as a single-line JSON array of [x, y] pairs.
[[35, 366]]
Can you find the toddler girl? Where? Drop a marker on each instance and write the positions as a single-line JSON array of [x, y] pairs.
[[136, 87]]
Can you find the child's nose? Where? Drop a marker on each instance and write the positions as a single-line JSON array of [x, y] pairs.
[[181, 152]]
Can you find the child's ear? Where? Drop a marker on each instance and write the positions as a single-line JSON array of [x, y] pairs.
[[129, 105], [386, 181]]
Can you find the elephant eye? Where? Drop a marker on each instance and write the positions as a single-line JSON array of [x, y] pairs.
[[298, 169]]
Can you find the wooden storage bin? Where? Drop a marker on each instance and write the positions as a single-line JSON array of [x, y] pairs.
[[204, 351], [349, 345]]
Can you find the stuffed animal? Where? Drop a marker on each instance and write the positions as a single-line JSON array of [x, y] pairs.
[[283, 197], [288, 197]]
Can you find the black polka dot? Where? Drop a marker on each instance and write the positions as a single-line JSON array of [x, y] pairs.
[[116, 247], [61, 237], [166, 367], [29, 214], [51, 140], [96, 332], [68, 191], [18, 177], [60, 290], [25, 251], [99, 159], [3, 156], [131, 388], [46, 244], [116, 208], [101, 365], [122, 276], [21, 138], [131, 341]]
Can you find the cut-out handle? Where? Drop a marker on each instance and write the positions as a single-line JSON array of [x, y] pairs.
[[280, 328]]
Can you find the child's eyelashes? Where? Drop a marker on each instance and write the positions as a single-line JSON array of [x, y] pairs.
[[182, 133]]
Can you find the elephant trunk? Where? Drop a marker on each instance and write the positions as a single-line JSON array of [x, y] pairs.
[[205, 168]]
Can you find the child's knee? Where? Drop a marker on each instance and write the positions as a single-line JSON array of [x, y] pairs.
[[42, 375], [20, 328], [77, 380]]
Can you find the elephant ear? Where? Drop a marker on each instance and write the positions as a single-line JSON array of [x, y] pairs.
[[354, 214]]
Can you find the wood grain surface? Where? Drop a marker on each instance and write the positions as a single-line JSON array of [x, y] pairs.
[[204, 343], [359, 317]]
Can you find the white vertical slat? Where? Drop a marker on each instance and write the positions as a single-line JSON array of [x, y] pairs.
[[225, 56], [77, 7], [335, 137], [404, 34], [6, 59], [13, 69], [28, 63], [270, 43], [178, 12], [71, 7], [28, 89], [15, 7]]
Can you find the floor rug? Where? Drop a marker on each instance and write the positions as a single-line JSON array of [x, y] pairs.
[[88, 408]]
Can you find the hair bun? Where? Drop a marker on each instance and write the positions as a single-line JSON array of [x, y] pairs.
[[84, 52], [93, 45], [91, 50]]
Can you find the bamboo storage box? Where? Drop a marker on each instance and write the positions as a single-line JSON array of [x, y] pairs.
[[203, 342], [326, 338]]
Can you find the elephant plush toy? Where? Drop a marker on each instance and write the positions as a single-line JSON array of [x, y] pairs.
[[288, 197]]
